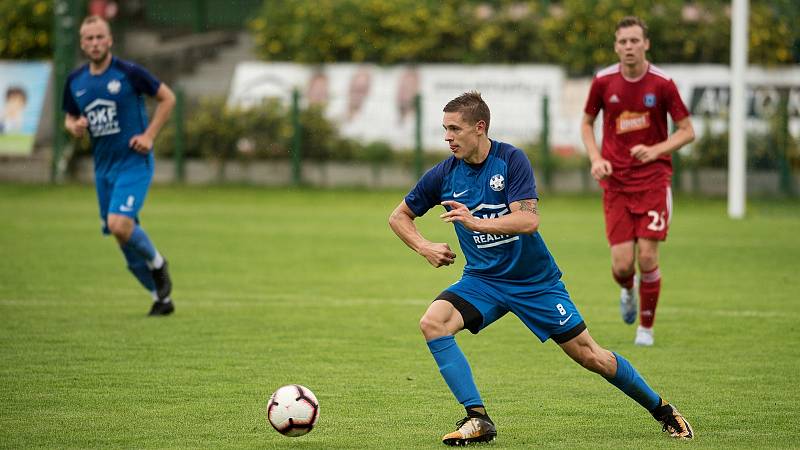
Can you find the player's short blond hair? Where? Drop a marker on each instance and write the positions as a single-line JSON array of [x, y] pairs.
[[96, 19]]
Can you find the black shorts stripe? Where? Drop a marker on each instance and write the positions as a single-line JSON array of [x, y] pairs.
[[473, 319], [561, 338]]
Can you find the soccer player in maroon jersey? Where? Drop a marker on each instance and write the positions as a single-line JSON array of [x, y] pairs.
[[635, 167]]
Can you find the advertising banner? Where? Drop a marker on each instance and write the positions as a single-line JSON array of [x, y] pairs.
[[370, 102], [706, 91], [376, 103], [23, 85]]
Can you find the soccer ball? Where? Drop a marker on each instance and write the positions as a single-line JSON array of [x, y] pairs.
[[293, 410]]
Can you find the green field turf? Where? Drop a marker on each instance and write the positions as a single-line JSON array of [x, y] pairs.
[[301, 286]]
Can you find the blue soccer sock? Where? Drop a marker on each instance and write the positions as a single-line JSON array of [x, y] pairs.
[[633, 385], [141, 243], [455, 370], [138, 267]]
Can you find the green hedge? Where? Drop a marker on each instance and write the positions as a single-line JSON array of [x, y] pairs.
[[215, 131], [575, 34], [765, 151]]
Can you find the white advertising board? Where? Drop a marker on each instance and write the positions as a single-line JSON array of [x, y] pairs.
[[371, 102]]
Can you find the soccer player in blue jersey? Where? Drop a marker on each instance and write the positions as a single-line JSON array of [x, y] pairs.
[[105, 98], [489, 194]]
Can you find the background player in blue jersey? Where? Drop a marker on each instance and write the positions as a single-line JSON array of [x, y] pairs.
[[489, 194], [105, 97]]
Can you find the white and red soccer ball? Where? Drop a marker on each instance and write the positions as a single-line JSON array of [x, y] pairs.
[[293, 410]]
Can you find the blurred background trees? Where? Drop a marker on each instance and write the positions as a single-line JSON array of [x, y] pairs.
[[575, 34], [26, 29]]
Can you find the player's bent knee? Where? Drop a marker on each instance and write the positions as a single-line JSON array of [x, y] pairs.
[[622, 266], [647, 261], [432, 328], [121, 227], [121, 233]]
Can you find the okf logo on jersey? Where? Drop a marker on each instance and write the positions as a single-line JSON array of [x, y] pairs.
[[497, 182], [102, 116], [487, 211]]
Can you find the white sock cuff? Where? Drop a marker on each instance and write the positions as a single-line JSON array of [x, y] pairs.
[[157, 262]]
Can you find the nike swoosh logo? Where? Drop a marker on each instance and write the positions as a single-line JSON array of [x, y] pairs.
[[459, 194], [79, 93], [125, 208], [562, 322]]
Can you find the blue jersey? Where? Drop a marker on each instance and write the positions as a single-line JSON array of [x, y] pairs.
[[487, 190], [114, 106]]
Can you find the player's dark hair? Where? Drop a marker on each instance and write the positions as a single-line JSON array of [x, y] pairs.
[[471, 106], [632, 21]]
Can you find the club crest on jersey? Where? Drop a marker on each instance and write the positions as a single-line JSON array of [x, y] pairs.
[[497, 182], [649, 100], [113, 86]]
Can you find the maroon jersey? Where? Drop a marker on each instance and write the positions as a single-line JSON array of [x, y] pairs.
[[634, 112]]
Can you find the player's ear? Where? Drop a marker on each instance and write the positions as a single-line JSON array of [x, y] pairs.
[[480, 126]]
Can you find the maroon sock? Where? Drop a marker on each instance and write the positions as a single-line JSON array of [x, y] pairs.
[[624, 281], [649, 289]]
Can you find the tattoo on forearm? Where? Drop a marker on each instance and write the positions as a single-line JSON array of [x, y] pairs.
[[529, 206]]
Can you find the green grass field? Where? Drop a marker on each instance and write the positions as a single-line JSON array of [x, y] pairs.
[[302, 286], [16, 144]]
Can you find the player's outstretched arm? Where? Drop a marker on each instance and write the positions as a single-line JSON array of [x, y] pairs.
[[402, 223], [523, 219], [601, 168], [143, 143]]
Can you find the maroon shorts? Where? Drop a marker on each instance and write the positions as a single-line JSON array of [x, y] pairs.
[[633, 215]]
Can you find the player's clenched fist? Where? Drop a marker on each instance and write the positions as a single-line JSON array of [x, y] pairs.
[[601, 168], [141, 143], [438, 254], [78, 126]]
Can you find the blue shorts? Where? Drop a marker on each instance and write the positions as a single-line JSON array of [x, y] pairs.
[[123, 193], [548, 313]]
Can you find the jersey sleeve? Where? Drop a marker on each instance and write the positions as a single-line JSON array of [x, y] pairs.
[[142, 81], [428, 191], [677, 109], [68, 103], [521, 182], [594, 103]]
